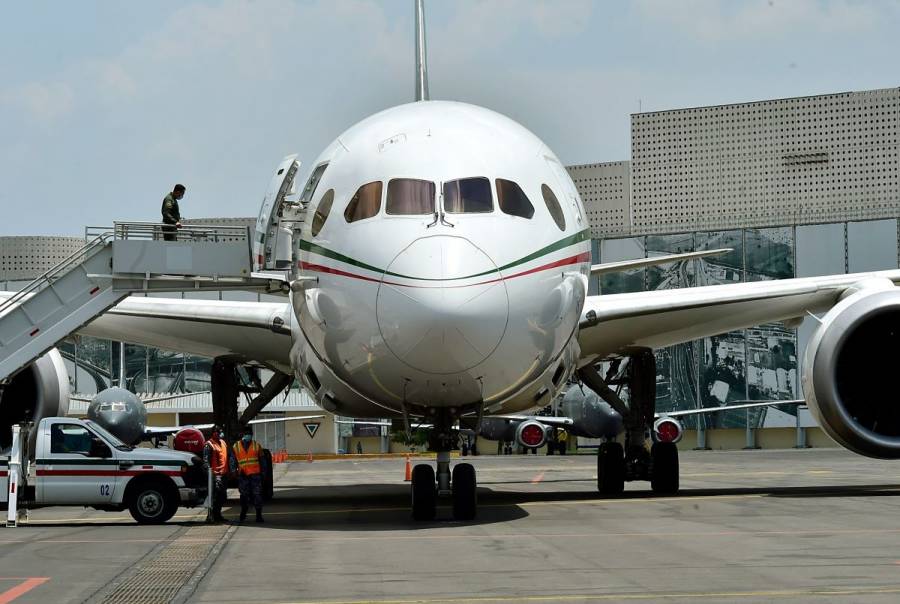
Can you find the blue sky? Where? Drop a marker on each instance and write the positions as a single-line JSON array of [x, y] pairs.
[[104, 105]]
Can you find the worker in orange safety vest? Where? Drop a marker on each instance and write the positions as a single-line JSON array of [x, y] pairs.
[[215, 454], [248, 462]]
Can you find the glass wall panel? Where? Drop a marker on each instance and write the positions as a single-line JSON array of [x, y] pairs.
[[769, 253], [166, 371], [94, 370], [674, 274], [136, 368], [196, 373], [724, 268], [677, 367], [612, 250], [872, 245], [594, 282], [820, 251], [771, 348], [66, 349]]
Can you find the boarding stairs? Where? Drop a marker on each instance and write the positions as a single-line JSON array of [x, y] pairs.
[[128, 258]]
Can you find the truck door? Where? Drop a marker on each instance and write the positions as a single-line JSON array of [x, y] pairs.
[[77, 466]]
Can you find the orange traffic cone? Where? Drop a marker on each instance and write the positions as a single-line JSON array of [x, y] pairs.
[[309, 456], [408, 476]]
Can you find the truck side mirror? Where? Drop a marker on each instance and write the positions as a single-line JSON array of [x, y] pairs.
[[98, 448]]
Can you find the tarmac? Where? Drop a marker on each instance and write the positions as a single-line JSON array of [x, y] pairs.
[[816, 525]]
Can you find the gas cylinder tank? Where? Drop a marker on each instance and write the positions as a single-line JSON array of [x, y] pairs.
[[189, 440]]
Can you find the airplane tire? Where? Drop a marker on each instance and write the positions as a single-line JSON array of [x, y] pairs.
[[424, 492], [611, 468], [664, 468], [153, 502], [465, 497]]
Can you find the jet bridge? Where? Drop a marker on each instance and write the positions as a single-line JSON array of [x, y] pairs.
[[130, 257]]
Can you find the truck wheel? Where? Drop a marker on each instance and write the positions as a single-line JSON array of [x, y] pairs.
[[153, 502]]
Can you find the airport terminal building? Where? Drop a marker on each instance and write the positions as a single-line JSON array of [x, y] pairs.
[[795, 187]]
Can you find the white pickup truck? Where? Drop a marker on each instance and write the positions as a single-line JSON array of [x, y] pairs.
[[70, 461]]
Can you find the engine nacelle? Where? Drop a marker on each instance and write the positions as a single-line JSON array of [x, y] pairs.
[[38, 391], [667, 430], [592, 416], [849, 371], [531, 434]]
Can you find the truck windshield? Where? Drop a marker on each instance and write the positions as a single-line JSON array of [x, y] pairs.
[[110, 438]]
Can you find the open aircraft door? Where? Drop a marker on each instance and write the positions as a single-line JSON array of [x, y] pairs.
[[272, 240]]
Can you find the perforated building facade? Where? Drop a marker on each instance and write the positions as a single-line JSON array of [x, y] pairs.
[[795, 161], [24, 258]]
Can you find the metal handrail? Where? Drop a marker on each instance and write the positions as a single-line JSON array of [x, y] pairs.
[[190, 232], [97, 243]]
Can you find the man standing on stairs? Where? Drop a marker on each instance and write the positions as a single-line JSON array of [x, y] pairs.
[[248, 462]]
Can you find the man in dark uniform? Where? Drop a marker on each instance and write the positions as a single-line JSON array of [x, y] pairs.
[[171, 215]]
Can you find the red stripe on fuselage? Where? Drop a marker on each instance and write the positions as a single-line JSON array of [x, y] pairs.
[[583, 257]]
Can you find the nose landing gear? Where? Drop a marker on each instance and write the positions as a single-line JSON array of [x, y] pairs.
[[428, 485]]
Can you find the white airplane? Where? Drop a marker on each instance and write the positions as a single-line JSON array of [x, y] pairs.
[[443, 273]]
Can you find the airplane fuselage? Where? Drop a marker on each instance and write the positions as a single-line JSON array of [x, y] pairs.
[[450, 253]]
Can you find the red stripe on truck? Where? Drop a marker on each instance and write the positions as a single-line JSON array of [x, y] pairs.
[[103, 472]]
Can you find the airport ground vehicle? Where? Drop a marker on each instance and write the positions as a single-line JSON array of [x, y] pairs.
[[67, 461]]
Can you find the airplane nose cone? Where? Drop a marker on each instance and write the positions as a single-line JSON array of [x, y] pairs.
[[442, 307]]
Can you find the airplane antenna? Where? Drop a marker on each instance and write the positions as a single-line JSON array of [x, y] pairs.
[[421, 54]]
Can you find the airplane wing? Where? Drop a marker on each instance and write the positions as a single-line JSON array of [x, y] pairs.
[[560, 422], [157, 431], [624, 265], [740, 405], [252, 331], [613, 324]]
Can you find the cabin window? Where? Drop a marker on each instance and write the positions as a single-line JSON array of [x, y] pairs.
[[512, 199], [365, 203], [468, 196], [310, 188], [410, 197], [554, 208], [70, 438], [322, 211]]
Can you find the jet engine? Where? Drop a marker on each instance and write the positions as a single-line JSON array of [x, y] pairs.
[[531, 434], [38, 391], [849, 370], [592, 416]]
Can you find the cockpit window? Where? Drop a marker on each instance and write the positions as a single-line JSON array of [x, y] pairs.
[[365, 203], [322, 211], [410, 197], [312, 183], [512, 199], [468, 196], [553, 206]]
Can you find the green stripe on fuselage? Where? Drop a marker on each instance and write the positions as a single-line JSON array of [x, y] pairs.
[[578, 237]]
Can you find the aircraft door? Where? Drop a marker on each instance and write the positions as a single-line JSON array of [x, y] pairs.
[[80, 467], [267, 234]]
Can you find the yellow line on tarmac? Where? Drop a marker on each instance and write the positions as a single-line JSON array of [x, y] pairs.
[[782, 593]]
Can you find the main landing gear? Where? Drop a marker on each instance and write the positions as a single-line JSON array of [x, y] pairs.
[[616, 463], [428, 485]]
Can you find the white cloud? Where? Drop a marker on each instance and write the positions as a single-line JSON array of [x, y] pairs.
[[712, 20], [43, 102]]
